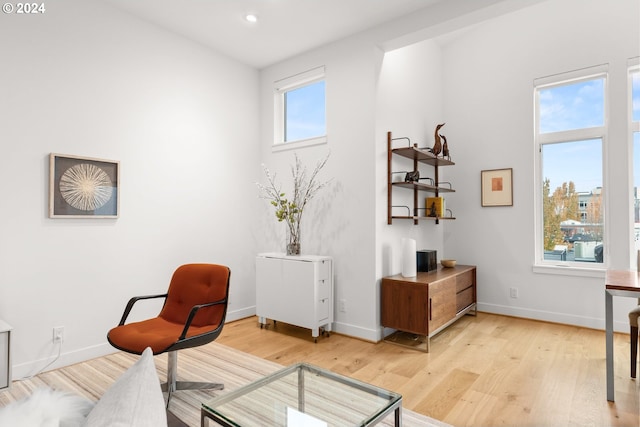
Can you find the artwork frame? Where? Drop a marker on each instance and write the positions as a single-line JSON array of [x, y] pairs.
[[83, 187], [496, 187]]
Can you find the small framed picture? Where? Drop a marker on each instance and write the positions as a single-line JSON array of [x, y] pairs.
[[83, 187], [497, 187]]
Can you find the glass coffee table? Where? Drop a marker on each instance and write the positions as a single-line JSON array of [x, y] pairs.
[[303, 395]]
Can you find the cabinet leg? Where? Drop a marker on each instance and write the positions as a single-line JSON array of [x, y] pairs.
[[263, 322]]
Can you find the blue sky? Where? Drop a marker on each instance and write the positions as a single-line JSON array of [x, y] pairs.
[[576, 106], [569, 107], [636, 136], [305, 112]]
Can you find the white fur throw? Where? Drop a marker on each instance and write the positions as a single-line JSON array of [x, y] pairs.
[[47, 408]]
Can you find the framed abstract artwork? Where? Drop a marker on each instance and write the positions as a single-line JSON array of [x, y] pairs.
[[497, 187], [83, 187]]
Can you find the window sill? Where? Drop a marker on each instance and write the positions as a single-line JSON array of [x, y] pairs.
[[283, 146], [566, 270]]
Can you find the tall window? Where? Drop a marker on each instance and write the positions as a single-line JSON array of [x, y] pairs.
[[634, 116], [570, 136], [300, 109]]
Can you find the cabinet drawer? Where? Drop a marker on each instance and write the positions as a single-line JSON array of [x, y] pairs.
[[464, 299], [464, 280], [324, 290], [324, 269], [323, 310]]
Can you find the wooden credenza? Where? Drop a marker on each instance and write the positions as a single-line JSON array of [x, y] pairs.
[[429, 302]]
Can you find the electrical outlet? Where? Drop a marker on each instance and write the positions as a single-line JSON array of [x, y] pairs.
[[513, 292], [58, 334], [342, 306]]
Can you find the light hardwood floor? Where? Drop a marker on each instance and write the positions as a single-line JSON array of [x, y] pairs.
[[486, 370]]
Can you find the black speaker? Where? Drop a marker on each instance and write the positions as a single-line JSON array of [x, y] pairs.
[[427, 260]]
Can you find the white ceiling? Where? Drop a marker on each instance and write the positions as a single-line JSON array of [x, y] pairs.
[[285, 28]]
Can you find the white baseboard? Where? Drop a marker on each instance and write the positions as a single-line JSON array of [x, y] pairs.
[[28, 369], [67, 358], [357, 331], [555, 317], [241, 313]]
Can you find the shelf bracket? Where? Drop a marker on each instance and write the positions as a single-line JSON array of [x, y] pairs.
[[402, 137]]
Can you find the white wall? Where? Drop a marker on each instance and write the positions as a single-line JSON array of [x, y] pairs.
[[340, 221], [366, 97], [409, 104], [85, 79], [488, 104]]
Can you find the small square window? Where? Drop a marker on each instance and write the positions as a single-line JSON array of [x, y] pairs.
[[300, 110]]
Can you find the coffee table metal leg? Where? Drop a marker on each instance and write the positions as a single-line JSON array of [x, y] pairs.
[[398, 413], [301, 390]]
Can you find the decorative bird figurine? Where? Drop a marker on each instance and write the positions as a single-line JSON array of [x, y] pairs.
[[437, 146], [445, 148]]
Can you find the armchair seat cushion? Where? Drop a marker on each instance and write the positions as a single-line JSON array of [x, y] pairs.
[[157, 333]]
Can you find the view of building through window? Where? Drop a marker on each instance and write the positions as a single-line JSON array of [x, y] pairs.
[[571, 120]]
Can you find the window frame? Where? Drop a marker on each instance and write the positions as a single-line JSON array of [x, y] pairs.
[[633, 67], [281, 87], [579, 268]]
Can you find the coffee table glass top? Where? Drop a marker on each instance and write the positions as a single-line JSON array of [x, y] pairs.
[[303, 394]]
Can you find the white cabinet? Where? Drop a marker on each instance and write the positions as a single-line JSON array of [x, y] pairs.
[[5, 355], [296, 290]]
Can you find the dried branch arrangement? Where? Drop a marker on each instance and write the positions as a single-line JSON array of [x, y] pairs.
[[305, 187]]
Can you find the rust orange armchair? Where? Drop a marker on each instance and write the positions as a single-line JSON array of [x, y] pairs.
[[193, 314]]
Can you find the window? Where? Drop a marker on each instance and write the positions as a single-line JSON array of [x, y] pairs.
[[300, 109], [570, 135], [634, 108]]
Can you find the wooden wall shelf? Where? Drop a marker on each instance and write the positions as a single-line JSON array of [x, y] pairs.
[[419, 156]]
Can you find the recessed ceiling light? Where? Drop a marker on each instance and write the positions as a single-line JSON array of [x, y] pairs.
[[251, 17]]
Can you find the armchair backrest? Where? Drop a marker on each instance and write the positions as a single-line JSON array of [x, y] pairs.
[[194, 284]]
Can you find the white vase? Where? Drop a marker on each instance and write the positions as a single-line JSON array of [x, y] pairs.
[[409, 261]]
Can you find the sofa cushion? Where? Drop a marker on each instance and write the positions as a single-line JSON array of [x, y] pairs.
[[134, 400]]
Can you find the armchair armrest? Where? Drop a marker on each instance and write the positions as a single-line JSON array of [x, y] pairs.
[[193, 312], [133, 300]]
